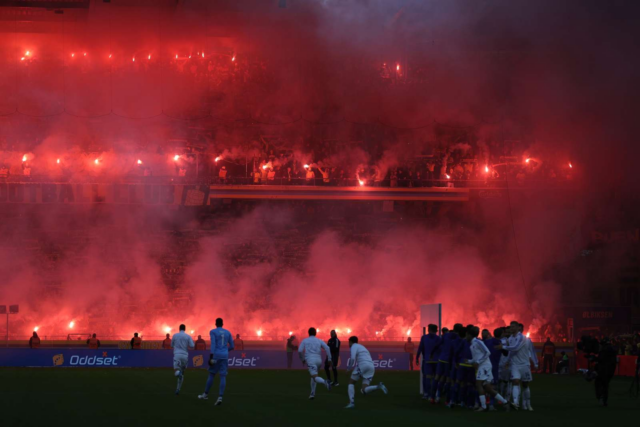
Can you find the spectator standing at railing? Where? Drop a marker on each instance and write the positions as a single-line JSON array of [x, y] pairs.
[[136, 342], [548, 354], [34, 341], [326, 175], [256, 176], [239, 344], [200, 343], [93, 342], [166, 344], [222, 175], [409, 348], [292, 346], [310, 176]]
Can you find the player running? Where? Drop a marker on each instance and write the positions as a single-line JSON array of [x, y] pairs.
[[482, 363], [362, 366], [310, 352], [221, 343], [181, 343]]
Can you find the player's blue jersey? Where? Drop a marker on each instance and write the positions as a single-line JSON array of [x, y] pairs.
[[463, 352], [449, 344], [491, 344], [221, 343], [427, 343]]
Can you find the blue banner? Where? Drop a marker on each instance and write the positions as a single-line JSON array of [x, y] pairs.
[[115, 358]]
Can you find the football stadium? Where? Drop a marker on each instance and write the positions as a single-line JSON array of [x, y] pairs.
[[312, 212]]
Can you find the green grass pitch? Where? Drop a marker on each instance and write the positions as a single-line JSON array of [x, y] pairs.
[[145, 397]]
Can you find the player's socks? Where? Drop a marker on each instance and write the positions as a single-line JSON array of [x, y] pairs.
[[180, 380], [526, 398], [223, 385], [313, 387], [483, 401], [371, 388], [427, 386], [209, 383], [500, 399], [515, 395], [351, 391], [453, 393], [434, 388], [319, 380]]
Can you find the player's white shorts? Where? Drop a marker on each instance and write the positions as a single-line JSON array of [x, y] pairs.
[[180, 362], [522, 373], [484, 373], [364, 371], [314, 365]]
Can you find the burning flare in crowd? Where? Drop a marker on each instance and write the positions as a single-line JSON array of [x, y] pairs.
[[570, 165], [486, 169], [139, 161], [58, 161], [24, 158], [217, 158], [176, 158], [96, 161], [36, 329], [361, 182], [72, 324], [259, 332]]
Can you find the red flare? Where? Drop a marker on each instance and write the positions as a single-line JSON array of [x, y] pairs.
[[176, 158], [24, 158], [139, 161]]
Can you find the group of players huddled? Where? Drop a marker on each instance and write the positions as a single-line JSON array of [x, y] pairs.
[[462, 369]]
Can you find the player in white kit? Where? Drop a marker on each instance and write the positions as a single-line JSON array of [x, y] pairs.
[[484, 374], [362, 365], [310, 351], [181, 343], [519, 362]]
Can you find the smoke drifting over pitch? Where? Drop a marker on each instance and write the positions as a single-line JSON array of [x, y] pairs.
[[508, 71]]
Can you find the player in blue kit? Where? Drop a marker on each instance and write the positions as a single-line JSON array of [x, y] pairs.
[[447, 345], [221, 343], [428, 343], [461, 371], [491, 343]]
